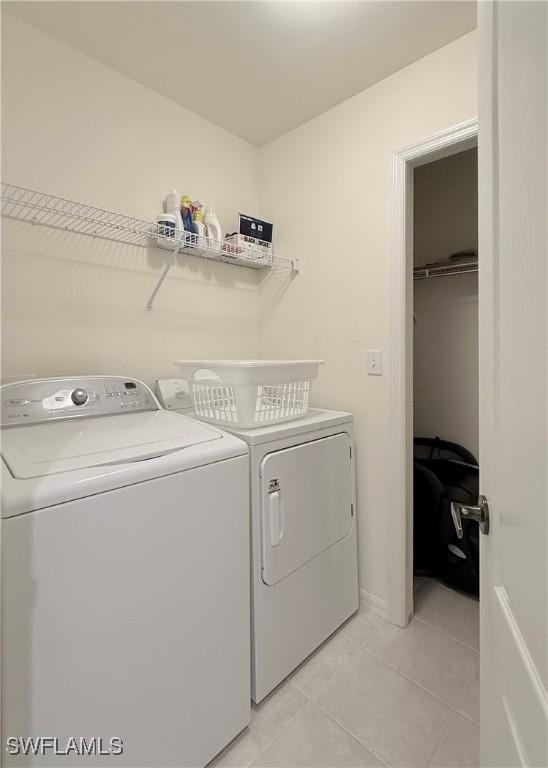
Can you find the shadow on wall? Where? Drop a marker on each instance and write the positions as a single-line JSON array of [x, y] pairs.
[[77, 304], [275, 284], [52, 243]]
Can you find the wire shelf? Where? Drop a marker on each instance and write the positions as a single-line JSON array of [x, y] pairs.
[[51, 211], [444, 269]]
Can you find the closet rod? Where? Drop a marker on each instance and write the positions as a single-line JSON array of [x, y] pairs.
[[445, 270]]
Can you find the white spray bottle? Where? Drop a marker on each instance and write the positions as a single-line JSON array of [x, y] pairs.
[[213, 226], [173, 207]]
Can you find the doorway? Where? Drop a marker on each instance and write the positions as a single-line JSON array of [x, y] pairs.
[[445, 369], [452, 141], [445, 394]]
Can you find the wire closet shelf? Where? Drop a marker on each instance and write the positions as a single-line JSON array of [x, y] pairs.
[[51, 211], [444, 269]]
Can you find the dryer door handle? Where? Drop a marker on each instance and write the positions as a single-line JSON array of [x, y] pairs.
[[276, 518]]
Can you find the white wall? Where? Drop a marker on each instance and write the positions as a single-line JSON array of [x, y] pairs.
[[445, 207], [446, 385], [328, 186], [72, 304]]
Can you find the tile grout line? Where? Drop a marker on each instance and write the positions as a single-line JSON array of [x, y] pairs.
[[441, 739], [443, 632], [433, 626], [270, 741], [310, 700], [431, 580], [365, 650], [455, 711], [309, 696], [360, 650], [353, 736], [422, 687], [471, 719], [316, 703]]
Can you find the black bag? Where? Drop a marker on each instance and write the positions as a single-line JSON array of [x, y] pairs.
[[445, 472]]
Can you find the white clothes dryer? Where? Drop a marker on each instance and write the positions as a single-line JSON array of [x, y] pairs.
[[304, 578]]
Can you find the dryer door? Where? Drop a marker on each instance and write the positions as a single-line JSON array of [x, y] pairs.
[[306, 503]]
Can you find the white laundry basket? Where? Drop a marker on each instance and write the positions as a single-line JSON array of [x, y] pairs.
[[249, 393]]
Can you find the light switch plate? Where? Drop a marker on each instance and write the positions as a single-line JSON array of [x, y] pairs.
[[374, 362]]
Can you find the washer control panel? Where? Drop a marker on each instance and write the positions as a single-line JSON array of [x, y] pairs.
[[29, 402]]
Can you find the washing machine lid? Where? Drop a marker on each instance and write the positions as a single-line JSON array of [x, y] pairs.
[[40, 450]]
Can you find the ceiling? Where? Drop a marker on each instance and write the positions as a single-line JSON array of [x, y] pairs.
[[257, 69]]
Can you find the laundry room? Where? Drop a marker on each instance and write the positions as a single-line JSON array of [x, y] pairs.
[[240, 343]]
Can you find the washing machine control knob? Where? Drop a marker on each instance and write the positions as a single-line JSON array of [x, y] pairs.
[[79, 396]]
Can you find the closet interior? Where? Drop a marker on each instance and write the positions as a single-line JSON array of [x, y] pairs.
[[445, 373]]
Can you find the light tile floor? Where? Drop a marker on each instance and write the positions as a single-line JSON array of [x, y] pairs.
[[375, 694]]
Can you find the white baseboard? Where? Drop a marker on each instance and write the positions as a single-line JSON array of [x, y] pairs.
[[374, 603]]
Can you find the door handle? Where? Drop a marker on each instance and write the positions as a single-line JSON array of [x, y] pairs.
[[276, 513], [469, 512]]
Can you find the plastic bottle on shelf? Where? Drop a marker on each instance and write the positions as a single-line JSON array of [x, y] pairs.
[[172, 208], [186, 213], [213, 227], [199, 228], [166, 230]]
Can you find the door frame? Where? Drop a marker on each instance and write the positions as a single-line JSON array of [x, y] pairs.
[[452, 140]]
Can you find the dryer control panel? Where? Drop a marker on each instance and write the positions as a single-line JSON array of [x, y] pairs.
[[46, 399]]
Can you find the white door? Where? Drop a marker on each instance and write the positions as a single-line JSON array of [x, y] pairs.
[[513, 382], [306, 503]]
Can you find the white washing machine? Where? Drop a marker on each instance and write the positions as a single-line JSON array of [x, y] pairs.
[[125, 583], [303, 547]]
